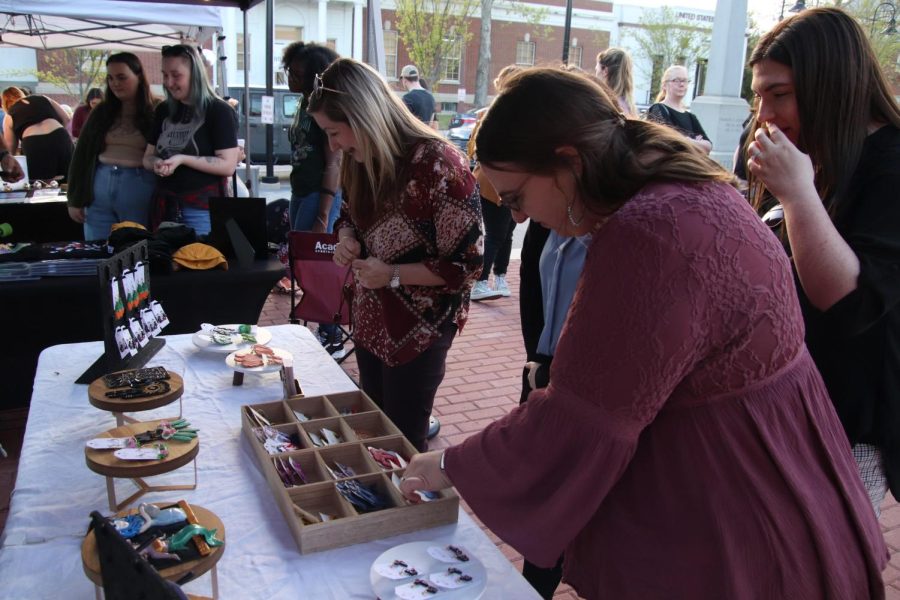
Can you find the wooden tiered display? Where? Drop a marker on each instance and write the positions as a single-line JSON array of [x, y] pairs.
[[360, 423], [105, 463], [192, 568], [119, 406]]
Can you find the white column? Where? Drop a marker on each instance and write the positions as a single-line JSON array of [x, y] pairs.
[[357, 51], [323, 21], [721, 109]]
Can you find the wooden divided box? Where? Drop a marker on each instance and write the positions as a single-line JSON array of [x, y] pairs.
[[359, 424]]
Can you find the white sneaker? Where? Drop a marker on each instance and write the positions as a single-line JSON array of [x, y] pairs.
[[481, 291], [500, 286]]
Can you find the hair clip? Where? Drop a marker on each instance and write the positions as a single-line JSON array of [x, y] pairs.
[[428, 587]]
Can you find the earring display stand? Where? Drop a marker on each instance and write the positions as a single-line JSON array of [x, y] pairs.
[[111, 359], [104, 462], [118, 406], [192, 569]]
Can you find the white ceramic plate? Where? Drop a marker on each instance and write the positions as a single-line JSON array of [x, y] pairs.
[[423, 556], [204, 341], [282, 354]]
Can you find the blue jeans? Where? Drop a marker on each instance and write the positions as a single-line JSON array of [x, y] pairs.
[[304, 210], [120, 194], [196, 218]]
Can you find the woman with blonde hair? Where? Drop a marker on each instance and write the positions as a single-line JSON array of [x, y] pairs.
[[685, 446], [614, 68], [826, 145], [39, 124], [670, 110], [193, 144], [410, 229]]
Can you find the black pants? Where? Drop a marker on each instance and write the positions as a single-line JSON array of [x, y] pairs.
[[48, 155], [498, 234], [406, 392]]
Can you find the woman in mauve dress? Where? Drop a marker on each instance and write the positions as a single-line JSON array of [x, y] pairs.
[[686, 446]]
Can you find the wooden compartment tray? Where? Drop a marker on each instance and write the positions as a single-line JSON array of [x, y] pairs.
[[357, 419]]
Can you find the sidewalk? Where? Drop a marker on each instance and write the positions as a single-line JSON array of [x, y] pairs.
[[484, 367]]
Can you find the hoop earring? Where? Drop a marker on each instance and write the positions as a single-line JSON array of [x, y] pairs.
[[571, 215]]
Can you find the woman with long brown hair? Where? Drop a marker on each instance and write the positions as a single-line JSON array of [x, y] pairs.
[[827, 147], [685, 446], [107, 179], [410, 228]]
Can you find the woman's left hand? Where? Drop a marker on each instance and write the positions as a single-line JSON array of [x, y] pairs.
[[785, 170], [166, 167], [423, 473], [372, 273]]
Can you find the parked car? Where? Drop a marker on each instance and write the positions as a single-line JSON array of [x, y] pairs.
[[286, 103], [459, 134]]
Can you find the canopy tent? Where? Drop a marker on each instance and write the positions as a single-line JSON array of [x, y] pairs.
[[105, 24]]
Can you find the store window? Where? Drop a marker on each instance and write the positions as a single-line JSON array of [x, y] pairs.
[[525, 53]]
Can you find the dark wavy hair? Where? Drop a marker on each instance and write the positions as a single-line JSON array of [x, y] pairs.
[[93, 93], [840, 89], [314, 57], [109, 110], [618, 155]]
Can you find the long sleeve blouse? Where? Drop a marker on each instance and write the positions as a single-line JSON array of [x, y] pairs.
[[435, 221], [686, 446]]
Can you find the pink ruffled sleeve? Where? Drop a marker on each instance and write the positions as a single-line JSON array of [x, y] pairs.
[[537, 476]]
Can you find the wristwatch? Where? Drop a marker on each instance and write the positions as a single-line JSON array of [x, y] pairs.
[[395, 277]]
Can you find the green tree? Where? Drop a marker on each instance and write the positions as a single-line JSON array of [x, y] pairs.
[[433, 29], [74, 70], [664, 39]]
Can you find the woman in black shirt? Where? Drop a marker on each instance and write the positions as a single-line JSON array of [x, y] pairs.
[[827, 147], [669, 108], [39, 123]]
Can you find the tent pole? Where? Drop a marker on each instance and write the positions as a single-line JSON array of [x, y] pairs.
[[246, 107]]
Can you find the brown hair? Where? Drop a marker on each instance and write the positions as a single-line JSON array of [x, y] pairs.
[[618, 156], [354, 93], [840, 89], [618, 75], [11, 95]]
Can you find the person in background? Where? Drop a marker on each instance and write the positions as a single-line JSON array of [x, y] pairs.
[[670, 110], [79, 117], [686, 446], [614, 68], [315, 167], [417, 99], [108, 183], [498, 221], [826, 145], [193, 146], [410, 229], [39, 124]]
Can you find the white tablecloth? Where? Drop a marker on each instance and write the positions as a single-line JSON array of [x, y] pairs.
[[55, 491]]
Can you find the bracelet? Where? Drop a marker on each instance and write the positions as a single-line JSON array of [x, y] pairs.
[[443, 456], [325, 190]]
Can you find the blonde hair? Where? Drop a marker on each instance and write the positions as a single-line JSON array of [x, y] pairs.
[[354, 93], [11, 95], [504, 74], [618, 67], [665, 79]]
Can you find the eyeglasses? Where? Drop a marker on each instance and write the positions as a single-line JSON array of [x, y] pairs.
[[680, 80], [318, 88], [514, 201]]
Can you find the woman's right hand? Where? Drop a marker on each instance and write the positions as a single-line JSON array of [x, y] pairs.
[[76, 213], [346, 251]]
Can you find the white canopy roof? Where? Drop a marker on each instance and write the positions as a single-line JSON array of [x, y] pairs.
[[103, 24]]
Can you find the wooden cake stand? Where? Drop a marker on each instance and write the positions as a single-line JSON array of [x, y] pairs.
[[105, 463], [118, 406], [195, 568]]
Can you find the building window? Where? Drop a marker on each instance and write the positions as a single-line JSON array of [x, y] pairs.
[[700, 77], [575, 54], [239, 49], [525, 53], [284, 36], [332, 43], [390, 53], [452, 63]]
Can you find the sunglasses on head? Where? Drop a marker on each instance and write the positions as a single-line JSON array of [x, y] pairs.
[[318, 88], [177, 50]]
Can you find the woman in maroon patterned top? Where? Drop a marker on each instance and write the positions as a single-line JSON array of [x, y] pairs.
[[410, 229]]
